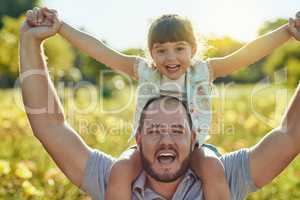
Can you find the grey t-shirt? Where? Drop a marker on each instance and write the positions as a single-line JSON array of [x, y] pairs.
[[236, 166]]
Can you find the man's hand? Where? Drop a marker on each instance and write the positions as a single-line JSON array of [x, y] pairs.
[[40, 16], [41, 23], [294, 26]]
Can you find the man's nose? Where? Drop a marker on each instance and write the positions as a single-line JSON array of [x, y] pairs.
[[166, 138]]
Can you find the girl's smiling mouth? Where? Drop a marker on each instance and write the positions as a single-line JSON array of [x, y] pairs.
[[172, 68]]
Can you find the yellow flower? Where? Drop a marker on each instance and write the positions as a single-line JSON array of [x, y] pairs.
[[4, 167], [23, 171], [30, 190]]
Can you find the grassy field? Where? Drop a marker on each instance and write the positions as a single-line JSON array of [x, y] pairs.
[[242, 115]]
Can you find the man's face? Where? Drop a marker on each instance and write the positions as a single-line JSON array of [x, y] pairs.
[[165, 140]]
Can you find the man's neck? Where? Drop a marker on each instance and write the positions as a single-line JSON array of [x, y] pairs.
[[167, 190]]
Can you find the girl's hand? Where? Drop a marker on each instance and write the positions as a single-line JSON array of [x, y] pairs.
[[294, 26]]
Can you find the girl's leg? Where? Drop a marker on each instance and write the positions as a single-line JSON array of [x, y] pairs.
[[211, 171], [122, 175]]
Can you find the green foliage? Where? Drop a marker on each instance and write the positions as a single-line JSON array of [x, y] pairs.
[[287, 57], [61, 58], [133, 51], [59, 52], [15, 8], [271, 25], [250, 74], [89, 67], [9, 41], [218, 47]]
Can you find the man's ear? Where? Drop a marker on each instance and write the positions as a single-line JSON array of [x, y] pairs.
[[138, 138], [193, 139]]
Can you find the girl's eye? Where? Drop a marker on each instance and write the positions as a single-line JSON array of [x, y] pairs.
[[160, 51]]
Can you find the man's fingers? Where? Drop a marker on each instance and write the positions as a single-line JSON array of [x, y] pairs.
[[30, 18], [291, 22], [48, 14], [51, 10], [40, 16], [35, 14], [292, 28], [297, 22], [29, 14]]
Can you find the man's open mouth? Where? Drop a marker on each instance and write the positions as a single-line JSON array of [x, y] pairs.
[[172, 68], [166, 157]]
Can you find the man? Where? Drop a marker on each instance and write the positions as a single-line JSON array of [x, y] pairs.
[[166, 142], [165, 139]]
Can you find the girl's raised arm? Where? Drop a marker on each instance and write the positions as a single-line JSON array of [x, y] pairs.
[[256, 49], [97, 49], [88, 44]]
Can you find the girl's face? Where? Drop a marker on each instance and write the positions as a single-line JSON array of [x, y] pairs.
[[172, 58]]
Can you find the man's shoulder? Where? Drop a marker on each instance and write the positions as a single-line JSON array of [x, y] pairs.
[[241, 154], [238, 174], [98, 156], [96, 174]]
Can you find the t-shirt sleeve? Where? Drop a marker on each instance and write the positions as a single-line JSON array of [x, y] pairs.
[[96, 174], [237, 172], [141, 67]]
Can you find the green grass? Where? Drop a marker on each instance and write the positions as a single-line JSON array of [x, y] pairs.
[[27, 172]]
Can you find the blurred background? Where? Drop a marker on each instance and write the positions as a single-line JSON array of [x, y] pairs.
[[100, 104]]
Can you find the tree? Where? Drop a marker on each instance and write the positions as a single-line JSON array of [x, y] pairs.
[[271, 25], [287, 56], [222, 46], [9, 51], [219, 46], [59, 52], [15, 8], [61, 59]]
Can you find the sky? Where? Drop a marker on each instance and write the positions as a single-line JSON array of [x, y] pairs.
[[124, 23]]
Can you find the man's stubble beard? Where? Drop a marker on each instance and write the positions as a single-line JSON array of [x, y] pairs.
[[167, 178]]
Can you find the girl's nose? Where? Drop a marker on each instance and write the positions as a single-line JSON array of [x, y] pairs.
[[171, 56]]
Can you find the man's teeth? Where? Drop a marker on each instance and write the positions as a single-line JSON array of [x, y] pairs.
[[166, 159], [166, 154]]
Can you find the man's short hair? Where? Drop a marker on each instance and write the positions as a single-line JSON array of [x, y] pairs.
[[167, 98]]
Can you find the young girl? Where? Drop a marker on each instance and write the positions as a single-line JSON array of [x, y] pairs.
[[173, 71]]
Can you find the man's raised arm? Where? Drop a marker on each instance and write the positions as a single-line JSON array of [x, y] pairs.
[[43, 108], [277, 149]]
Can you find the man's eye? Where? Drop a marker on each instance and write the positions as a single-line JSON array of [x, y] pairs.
[[177, 132], [180, 48], [152, 132]]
